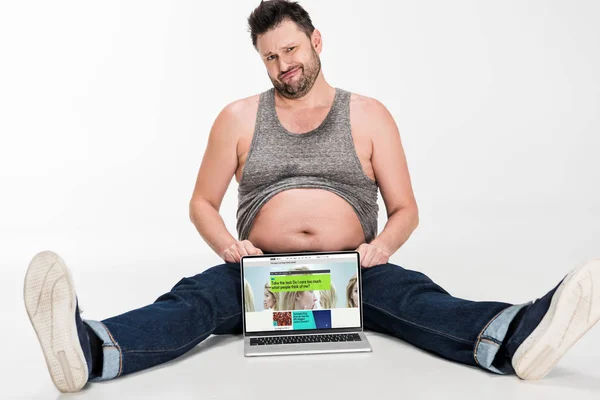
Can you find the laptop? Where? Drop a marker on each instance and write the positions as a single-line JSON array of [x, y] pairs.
[[302, 303]]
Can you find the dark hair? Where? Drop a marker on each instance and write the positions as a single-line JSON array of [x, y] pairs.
[[271, 13]]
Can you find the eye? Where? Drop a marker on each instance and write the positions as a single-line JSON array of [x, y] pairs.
[[290, 48], [270, 57]]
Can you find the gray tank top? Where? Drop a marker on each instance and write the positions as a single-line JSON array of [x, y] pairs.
[[323, 158]]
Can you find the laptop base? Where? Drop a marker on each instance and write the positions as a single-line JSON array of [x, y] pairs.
[[307, 348]]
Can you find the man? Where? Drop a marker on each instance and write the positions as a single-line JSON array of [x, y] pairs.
[[313, 156]]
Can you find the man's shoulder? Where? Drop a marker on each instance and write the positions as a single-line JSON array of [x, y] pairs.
[[242, 111], [237, 118], [243, 105], [365, 105]]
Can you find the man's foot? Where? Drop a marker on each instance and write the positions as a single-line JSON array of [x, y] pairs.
[[53, 310], [552, 324]]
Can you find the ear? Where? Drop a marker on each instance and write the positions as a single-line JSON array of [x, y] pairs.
[[317, 41]]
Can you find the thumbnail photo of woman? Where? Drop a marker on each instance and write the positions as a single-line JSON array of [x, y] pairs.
[[301, 300], [270, 299], [352, 292], [248, 297], [328, 298]]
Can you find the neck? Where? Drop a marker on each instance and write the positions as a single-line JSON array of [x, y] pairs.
[[319, 95]]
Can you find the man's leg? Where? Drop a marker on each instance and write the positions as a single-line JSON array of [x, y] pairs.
[[196, 307], [493, 335]]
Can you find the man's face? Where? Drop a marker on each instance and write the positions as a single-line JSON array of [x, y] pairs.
[[292, 62]]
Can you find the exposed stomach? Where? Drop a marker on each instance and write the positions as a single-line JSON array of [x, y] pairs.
[[306, 219]]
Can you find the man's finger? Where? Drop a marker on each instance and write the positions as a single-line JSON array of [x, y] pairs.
[[229, 256], [242, 249], [369, 257], [234, 252]]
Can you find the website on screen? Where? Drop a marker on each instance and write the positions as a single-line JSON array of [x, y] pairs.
[[301, 292]]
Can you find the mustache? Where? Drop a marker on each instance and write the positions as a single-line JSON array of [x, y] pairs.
[[291, 69]]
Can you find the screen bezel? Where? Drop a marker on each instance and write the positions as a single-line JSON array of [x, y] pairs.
[[303, 331]]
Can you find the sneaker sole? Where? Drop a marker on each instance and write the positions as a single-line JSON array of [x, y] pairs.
[[50, 301], [574, 309]]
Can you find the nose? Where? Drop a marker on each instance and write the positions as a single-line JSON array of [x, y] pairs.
[[284, 66]]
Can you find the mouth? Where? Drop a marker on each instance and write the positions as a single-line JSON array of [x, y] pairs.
[[290, 73]]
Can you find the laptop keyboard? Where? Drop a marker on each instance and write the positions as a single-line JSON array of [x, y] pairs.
[[338, 337]]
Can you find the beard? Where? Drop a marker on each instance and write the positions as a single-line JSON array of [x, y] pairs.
[[299, 86]]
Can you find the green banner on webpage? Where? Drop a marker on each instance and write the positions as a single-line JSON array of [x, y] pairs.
[[297, 283]]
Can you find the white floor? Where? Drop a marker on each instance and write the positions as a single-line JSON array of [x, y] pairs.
[[217, 369], [108, 286]]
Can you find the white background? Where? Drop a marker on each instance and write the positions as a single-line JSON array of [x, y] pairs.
[[105, 109]]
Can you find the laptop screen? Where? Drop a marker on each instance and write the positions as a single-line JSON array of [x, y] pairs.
[[316, 292]]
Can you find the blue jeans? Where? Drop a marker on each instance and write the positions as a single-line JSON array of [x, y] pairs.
[[396, 301]]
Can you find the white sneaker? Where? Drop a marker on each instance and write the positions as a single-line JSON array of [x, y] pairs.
[[52, 307], [556, 321]]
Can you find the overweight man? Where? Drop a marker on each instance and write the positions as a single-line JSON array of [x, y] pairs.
[[309, 159]]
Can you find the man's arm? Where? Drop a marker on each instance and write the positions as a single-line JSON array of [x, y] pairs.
[[217, 168], [391, 172]]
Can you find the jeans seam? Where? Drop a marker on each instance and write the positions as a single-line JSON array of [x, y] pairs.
[[479, 337], [117, 347], [185, 345], [169, 350], [491, 341], [419, 326], [231, 316], [378, 270]]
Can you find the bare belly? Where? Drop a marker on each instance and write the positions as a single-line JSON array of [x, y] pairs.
[[306, 219]]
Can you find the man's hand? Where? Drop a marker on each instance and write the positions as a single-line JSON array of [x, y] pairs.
[[371, 255], [235, 252]]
